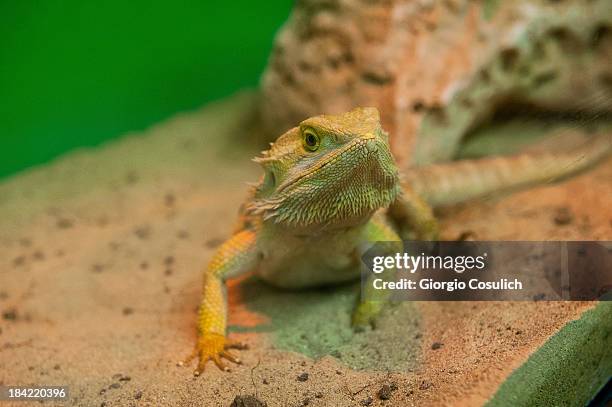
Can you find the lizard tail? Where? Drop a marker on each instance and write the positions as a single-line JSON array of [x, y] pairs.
[[454, 182]]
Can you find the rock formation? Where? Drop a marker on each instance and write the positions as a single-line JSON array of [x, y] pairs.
[[438, 69]]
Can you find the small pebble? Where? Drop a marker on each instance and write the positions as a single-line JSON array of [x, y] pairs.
[[247, 401], [142, 232], [385, 392], [425, 385], [10, 314], [97, 268], [302, 377], [128, 311], [114, 386], [436, 345], [367, 401], [138, 395], [563, 216], [38, 255], [418, 106]]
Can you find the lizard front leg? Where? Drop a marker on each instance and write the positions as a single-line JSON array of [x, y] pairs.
[[236, 256], [372, 301]]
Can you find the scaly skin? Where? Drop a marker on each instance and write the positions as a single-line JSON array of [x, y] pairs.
[[323, 198], [303, 225]]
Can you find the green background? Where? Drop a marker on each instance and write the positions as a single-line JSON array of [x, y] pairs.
[[76, 73]]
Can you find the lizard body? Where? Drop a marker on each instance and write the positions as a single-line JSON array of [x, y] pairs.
[[324, 196]]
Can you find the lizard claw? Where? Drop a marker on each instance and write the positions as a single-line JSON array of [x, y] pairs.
[[231, 357], [211, 346]]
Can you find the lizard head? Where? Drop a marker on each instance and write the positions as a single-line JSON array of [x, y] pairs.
[[329, 172]]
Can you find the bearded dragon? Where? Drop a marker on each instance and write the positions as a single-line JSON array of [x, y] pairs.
[[330, 186]]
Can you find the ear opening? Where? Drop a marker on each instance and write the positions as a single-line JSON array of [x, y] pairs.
[[269, 180]]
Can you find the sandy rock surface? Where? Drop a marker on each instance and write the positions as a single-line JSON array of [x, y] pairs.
[[101, 255]]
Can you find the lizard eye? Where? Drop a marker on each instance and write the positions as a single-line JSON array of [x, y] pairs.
[[310, 140]]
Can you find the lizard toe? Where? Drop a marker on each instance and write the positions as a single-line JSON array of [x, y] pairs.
[[211, 346]]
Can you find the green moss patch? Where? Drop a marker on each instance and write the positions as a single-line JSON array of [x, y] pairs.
[[568, 369], [316, 323]]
